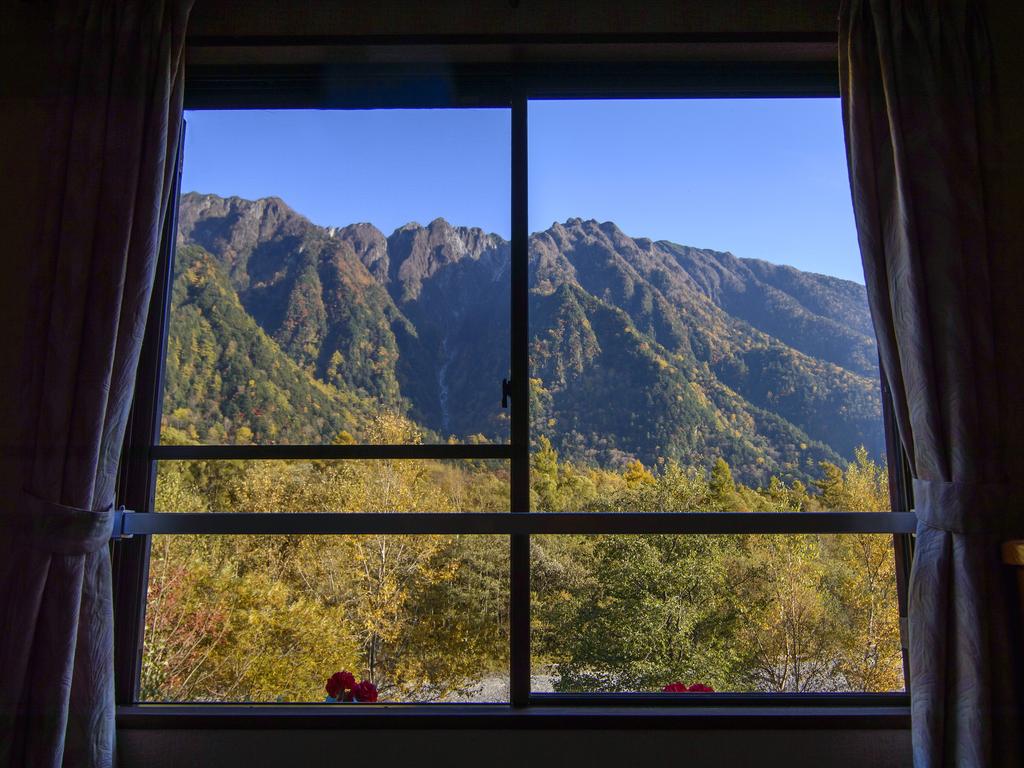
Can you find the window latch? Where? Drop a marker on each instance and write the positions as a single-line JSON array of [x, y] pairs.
[[506, 392]]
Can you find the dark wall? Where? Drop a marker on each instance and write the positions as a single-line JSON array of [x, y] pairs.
[[447, 31], [516, 749], [448, 17]]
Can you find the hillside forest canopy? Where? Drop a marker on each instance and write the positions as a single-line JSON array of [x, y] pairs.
[[664, 379]]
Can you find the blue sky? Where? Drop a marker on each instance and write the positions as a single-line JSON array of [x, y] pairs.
[[762, 178]]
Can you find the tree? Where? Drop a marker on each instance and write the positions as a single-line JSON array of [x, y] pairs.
[[862, 580], [787, 628], [544, 477], [723, 488], [833, 494], [637, 474], [426, 617], [657, 609]]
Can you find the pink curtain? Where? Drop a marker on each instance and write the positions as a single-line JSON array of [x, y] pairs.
[[946, 296], [110, 152]]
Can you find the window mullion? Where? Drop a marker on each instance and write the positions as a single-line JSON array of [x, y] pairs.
[[519, 587]]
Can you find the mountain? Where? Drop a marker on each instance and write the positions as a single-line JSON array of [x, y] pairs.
[[639, 348], [225, 380], [765, 377]]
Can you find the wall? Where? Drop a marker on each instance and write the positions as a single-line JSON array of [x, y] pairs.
[[515, 748], [449, 31], [242, 18]]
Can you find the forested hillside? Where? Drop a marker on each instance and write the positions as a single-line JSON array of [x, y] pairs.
[[227, 381], [639, 349]]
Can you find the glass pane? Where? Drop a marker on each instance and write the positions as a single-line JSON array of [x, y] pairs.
[[336, 268], [697, 304], [271, 618], [378, 485], [764, 613]]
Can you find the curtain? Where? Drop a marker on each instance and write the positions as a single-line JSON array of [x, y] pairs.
[[118, 92], [945, 291]]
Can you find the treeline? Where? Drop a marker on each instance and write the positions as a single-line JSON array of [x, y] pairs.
[[425, 617]]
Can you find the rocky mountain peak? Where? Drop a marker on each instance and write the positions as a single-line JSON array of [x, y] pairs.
[[418, 253], [232, 227], [370, 246]]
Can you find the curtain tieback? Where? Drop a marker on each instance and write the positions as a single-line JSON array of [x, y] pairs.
[[976, 508], [60, 528]]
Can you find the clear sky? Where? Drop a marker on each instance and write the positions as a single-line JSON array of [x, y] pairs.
[[762, 178]]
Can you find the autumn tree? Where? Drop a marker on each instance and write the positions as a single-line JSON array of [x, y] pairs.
[[266, 617]]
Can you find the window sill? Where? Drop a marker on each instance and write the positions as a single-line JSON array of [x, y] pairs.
[[893, 714]]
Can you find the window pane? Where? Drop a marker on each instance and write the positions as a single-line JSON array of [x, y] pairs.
[[697, 304], [270, 618], [378, 485], [765, 613], [336, 268]]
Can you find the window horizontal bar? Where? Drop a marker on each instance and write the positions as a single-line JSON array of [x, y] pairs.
[[506, 523], [729, 699], [327, 452], [501, 716]]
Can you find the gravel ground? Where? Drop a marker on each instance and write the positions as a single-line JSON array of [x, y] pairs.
[[494, 688]]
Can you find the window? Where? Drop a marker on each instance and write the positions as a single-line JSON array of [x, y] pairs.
[[682, 479]]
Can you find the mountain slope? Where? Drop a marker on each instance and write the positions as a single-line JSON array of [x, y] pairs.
[[606, 393], [681, 298], [639, 348], [829, 326], [305, 287], [226, 381]]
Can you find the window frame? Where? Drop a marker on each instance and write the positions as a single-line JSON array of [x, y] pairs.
[[501, 86]]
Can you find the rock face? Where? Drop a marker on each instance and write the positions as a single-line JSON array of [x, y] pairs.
[[639, 349]]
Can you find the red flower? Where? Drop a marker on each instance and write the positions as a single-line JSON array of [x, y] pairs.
[[338, 683], [682, 688], [365, 692]]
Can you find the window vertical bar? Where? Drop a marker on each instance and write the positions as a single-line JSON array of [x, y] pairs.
[[519, 588], [137, 471]]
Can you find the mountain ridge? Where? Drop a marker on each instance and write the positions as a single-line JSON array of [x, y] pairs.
[[760, 359]]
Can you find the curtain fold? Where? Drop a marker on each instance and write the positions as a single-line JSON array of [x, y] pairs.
[[119, 81], [945, 293]]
